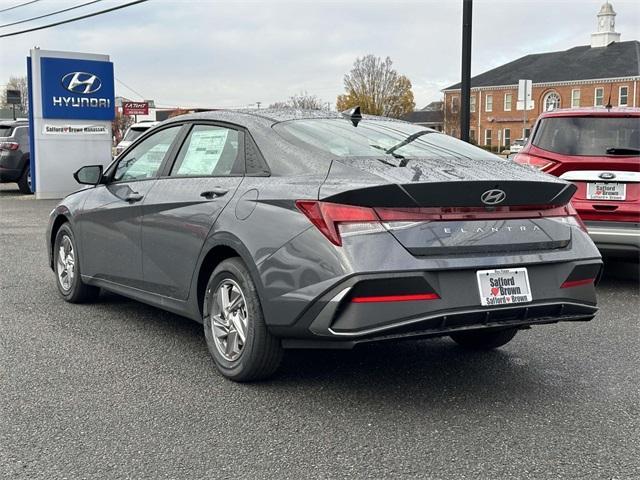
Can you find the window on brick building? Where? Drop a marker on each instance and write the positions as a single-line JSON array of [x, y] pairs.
[[487, 137], [454, 104], [623, 96], [598, 97], [472, 103], [575, 98], [488, 103], [507, 102], [526, 132], [507, 137], [551, 101], [472, 135]]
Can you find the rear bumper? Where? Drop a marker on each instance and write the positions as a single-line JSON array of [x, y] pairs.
[[334, 321], [620, 238]]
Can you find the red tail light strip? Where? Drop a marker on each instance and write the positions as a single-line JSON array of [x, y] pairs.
[[577, 283], [396, 298], [326, 216]]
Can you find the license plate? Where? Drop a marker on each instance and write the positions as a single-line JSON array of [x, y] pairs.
[[504, 287], [606, 191]]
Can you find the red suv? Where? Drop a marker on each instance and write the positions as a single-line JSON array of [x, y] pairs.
[[598, 149]]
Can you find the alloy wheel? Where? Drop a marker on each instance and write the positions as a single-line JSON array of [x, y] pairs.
[[65, 265], [229, 319]]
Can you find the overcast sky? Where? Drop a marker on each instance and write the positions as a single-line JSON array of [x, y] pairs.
[[220, 53]]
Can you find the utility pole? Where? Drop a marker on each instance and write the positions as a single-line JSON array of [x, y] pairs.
[[465, 90], [258, 104]]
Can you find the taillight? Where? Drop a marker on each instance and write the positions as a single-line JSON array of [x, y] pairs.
[[9, 146], [333, 219], [542, 164], [336, 220]]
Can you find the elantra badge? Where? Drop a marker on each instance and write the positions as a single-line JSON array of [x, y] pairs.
[[493, 197], [81, 82], [607, 176]]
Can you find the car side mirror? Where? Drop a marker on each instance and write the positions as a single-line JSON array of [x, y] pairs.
[[89, 175]]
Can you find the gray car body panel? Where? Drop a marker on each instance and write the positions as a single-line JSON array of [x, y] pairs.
[[154, 251]]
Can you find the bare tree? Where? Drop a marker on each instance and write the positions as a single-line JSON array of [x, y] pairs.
[[20, 84], [377, 88], [301, 101]]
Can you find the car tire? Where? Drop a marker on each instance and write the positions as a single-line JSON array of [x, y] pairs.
[[24, 183], [484, 339], [67, 269], [234, 326]]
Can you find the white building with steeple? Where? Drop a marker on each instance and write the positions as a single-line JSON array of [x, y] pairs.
[[606, 32]]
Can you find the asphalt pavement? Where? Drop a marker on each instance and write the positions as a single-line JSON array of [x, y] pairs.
[[117, 389]]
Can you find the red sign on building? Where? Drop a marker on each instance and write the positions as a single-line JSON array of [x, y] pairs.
[[135, 108]]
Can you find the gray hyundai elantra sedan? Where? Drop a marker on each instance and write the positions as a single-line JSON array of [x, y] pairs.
[[285, 229]]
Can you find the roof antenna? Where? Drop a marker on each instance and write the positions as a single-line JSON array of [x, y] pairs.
[[608, 106], [353, 114]]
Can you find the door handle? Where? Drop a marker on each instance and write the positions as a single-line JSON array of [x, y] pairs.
[[214, 193], [134, 197]]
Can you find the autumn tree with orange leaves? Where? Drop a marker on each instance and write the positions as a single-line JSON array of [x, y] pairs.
[[377, 88]]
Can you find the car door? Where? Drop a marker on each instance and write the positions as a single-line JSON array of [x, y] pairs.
[[182, 206], [111, 222]]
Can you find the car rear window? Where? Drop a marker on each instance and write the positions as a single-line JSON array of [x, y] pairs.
[[134, 133], [374, 138], [589, 136], [5, 131]]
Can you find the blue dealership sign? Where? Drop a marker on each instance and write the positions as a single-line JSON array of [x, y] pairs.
[[77, 89]]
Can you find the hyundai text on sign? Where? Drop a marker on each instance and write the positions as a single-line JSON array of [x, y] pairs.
[[77, 89], [135, 108]]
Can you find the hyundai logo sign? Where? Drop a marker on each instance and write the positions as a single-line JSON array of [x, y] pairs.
[[81, 82], [493, 197], [77, 89]]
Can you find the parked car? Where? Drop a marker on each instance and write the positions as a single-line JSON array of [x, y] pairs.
[[291, 229], [517, 145], [14, 154], [133, 132], [598, 150]]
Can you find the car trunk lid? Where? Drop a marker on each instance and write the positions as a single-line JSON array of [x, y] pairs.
[[432, 209]]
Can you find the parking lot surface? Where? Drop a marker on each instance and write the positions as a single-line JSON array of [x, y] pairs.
[[117, 389]]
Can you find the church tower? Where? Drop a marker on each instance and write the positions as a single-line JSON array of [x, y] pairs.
[[606, 33]]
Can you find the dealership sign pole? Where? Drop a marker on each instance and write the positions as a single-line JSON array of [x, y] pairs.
[[72, 105]]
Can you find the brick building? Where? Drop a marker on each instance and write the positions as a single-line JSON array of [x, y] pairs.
[[607, 71]]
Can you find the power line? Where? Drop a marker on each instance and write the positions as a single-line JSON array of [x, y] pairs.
[[57, 12], [18, 6], [74, 19], [129, 88]]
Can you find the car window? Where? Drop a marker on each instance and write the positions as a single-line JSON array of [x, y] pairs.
[[208, 150], [374, 138], [587, 135], [5, 131], [134, 133], [145, 158], [22, 135]]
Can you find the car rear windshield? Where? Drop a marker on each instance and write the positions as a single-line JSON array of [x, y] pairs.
[[590, 136], [134, 133], [374, 138], [5, 130]]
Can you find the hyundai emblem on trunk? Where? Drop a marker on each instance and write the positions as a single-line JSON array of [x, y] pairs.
[[607, 176], [493, 197]]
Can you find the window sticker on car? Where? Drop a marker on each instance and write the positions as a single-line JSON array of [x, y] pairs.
[[203, 154]]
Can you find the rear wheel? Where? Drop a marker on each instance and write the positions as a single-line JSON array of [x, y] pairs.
[[67, 268], [24, 183], [237, 336], [484, 339]]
